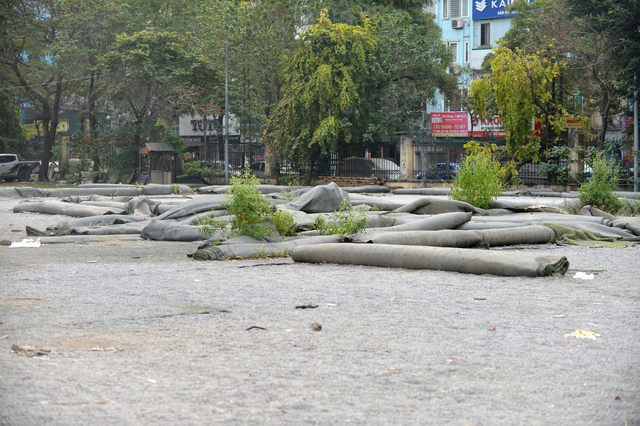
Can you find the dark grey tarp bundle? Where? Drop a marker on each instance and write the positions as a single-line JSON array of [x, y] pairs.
[[422, 191], [467, 261], [69, 209], [112, 219], [319, 199], [114, 190], [171, 230], [197, 205], [431, 205], [371, 189], [429, 223], [530, 234], [258, 248]]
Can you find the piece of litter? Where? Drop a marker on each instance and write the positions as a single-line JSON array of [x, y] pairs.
[[92, 261], [25, 243], [151, 381], [6, 336], [583, 276], [559, 316], [583, 334]]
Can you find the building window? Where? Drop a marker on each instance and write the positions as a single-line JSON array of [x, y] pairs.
[[466, 52], [454, 103], [453, 48], [485, 35], [454, 9]]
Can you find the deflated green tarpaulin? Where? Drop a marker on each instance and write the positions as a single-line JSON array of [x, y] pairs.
[[585, 238], [469, 261], [531, 234], [247, 250]]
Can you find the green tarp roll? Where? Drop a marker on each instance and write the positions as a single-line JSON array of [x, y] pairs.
[[469, 261]]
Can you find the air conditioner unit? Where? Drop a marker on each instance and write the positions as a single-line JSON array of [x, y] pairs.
[[457, 24]]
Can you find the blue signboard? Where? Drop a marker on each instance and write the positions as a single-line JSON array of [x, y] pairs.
[[492, 9]]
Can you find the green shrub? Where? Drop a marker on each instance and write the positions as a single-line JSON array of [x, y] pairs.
[[343, 222], [175, 189], [284, 223], [479, 180], [600, 190], [249, 208], [210, 225]]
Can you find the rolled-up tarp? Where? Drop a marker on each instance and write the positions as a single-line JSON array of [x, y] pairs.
[[531, 234], [371, 189], [119, 229], [69, 209], [80, 198], [115, 190], [429, 223], [631, 224], [475, 226], [164, 189], [171, 230], [541, 218], [247, 250], [468, 261], [199, 204], [422, 191], [96, 220], [432, 205]]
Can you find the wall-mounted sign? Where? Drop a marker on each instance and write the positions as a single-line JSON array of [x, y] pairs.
[[450, 124], [492, 9], [490, 127], [35, 128]]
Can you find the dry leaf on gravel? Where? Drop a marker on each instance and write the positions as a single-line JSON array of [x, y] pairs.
[[583, 334]]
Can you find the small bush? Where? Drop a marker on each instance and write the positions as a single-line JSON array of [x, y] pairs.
[[284, 223], [479, 180], [345, 221], [600, 190], [249, 208]]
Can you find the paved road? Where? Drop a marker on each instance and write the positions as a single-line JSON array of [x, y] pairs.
[[140, 334]]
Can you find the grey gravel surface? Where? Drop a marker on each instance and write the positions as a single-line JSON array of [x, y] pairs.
[[137, 336]]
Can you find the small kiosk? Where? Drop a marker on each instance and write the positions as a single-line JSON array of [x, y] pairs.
[[157, 163]]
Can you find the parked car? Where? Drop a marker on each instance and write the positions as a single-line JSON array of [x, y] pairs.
[[13, 166], [440, 172]]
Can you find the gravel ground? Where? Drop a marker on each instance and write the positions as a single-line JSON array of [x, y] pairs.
[[140, 334]]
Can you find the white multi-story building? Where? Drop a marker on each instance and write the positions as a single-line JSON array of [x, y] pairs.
[[471, 29]]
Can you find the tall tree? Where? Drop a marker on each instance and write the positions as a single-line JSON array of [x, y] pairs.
[[520, 85], [154, 75], [586, 48], [29, 33], [332, 87], [12, 138]]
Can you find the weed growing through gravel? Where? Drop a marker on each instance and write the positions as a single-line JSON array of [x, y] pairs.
[[479, 180], [600, 190], [284, 223], [343, 222], [249, 209]]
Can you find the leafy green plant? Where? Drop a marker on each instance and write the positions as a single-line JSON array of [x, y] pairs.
[[479, 180], [249, 209], [556, 164], [210, 225], [599, 191], [343, 222], [284, 223], [175, 189]]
